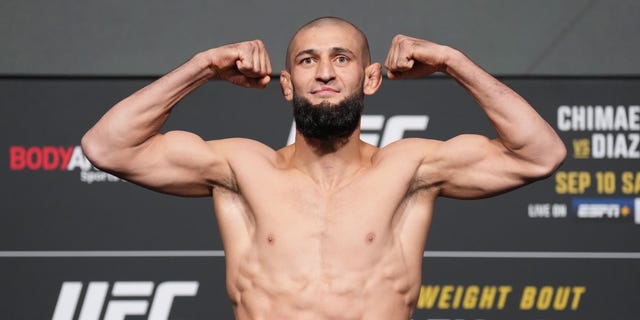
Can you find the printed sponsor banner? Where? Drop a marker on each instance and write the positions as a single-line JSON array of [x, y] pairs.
[[62, 288], [108, 288], [543, 288], [54, 200]]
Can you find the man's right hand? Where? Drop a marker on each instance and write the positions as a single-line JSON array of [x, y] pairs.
[[245, 64]]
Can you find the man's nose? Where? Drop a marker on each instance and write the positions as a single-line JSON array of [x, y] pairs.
[[325, 71]]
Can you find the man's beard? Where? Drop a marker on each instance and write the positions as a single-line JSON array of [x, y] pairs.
[[325, 125]]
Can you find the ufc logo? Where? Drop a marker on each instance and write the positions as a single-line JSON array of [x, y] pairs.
[[116, 309], [392, 130]]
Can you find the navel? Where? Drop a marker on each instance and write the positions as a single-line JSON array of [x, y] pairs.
[[270, 239], [370, 237]]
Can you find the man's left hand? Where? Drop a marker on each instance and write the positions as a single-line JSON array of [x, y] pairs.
[[415, 58]]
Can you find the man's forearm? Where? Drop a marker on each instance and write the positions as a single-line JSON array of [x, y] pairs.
[[137, 118], [141, 115], [520, 128]]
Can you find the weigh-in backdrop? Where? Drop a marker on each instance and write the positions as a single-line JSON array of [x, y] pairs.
[[76, 243]]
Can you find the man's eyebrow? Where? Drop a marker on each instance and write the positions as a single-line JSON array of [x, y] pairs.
[[305, 52], [342, 50], [334, 50]]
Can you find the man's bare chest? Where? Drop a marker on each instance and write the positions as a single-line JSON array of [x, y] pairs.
[[288, 215]]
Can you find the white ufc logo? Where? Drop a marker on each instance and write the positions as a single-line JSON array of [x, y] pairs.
[[96, 295], [392, 130]]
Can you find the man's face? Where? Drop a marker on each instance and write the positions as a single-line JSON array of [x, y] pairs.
[[327, 64]]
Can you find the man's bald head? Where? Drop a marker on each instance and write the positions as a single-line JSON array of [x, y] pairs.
[[331, 21]]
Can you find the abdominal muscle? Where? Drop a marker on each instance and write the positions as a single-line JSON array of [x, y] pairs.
[[269, 283]]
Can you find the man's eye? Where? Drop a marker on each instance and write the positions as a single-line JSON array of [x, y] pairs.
[[306, 61], [342, 59]]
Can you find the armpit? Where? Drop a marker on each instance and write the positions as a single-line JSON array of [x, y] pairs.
[[420, 183]]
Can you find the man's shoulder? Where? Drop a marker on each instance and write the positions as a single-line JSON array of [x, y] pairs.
[[246, 144], [243, 149], [407, 149]]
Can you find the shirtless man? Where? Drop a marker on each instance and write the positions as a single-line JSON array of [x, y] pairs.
[[329, 227]]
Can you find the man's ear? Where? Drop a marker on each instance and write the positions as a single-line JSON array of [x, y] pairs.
[[372, 78], [285, 85]]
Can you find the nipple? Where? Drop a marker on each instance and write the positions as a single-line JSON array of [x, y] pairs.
[[370, 237]]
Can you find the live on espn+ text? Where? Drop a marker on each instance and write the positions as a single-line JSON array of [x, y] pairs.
[[590, 205]]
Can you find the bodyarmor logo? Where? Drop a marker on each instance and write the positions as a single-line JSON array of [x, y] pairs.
[[96, 294], [388, 132], [48, 158]]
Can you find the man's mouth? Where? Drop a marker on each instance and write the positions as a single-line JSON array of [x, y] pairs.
[[324, 91]]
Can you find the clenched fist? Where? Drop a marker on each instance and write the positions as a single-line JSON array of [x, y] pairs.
[[245, 64], [414, 58]]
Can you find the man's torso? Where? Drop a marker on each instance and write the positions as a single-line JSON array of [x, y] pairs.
[[294, 250]]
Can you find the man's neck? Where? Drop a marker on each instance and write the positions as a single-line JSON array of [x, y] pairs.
[[330, 167]]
